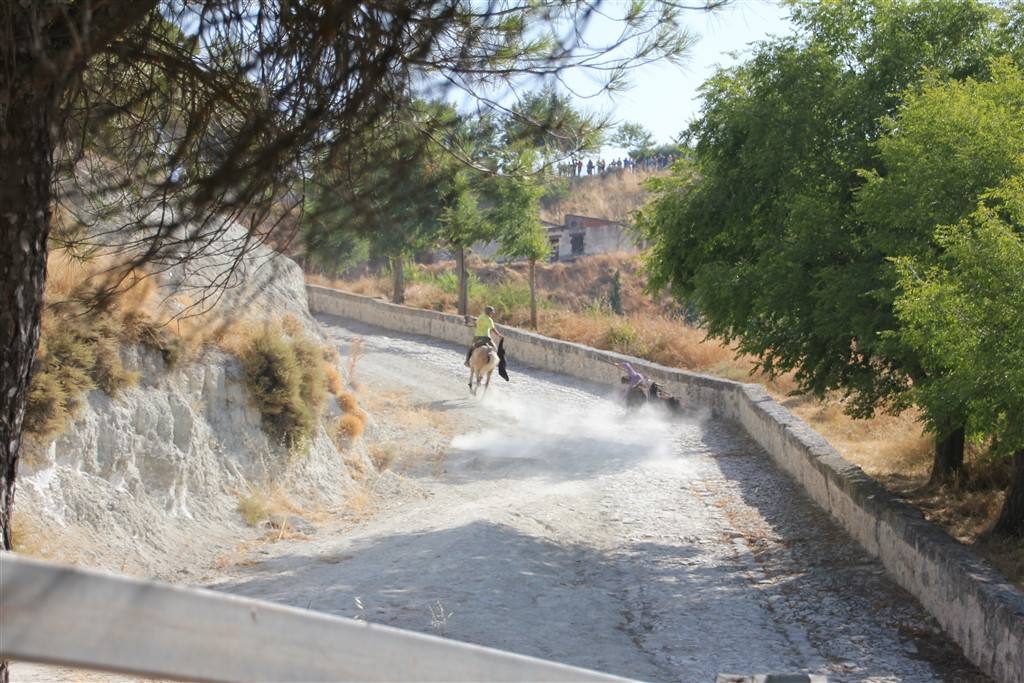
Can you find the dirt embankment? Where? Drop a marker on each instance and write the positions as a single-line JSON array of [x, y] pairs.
[[150, 453]]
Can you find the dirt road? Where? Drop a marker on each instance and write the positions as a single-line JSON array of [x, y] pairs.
[[556, 526]]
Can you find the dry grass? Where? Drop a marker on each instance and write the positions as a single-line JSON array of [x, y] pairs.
[[239, 556], [354, 354], [253, 509], [885, 446], [398, 408], [31, 538], [360, 505], [261, 503], [614, 196], [383, 455], [355, 467]]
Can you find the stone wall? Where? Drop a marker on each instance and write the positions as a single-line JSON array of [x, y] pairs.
[[977, 607]]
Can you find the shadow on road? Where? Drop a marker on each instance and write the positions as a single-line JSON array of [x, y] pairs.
[[494, 585]]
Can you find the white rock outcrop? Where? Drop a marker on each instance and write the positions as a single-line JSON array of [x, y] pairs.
[[149, 482]]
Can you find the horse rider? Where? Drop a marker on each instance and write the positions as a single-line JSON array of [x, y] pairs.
[[632, 378], [482, 335]]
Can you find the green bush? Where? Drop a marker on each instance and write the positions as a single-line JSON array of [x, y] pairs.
[[624, 338], [506, 298], [287, 382]]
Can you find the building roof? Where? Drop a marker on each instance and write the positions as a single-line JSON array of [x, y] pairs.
[[587, 221]]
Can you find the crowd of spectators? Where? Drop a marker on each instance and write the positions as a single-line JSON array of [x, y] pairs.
[[577, 167]]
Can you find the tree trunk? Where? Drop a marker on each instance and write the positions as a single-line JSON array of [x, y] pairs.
[[1011, 519], [460, 264], [26, 176], [398, 272], [533, 293], [949, 457]]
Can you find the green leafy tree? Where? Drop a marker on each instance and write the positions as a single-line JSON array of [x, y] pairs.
[[359, 197], [615, 294], [950, 143], [462, 223], [548, 123], [515, 212], [328, 247], [964, 316], [635, 139], [764, 234]]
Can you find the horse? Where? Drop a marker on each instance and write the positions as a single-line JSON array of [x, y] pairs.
[[482, 362]]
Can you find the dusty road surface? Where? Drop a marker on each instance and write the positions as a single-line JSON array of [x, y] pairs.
[[544, 521]]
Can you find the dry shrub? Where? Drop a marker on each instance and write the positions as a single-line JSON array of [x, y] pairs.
[[347, 401], [354, 354], [286, 380], [356, 467], [93, 307], [350, 427], [383, 455], [331, 355], [260, 503], [333, 378], [359, 504], [29, 537], [76, 353], [314, 376], [253, 508]]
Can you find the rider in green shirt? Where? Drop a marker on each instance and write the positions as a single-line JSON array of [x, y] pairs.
[[482, 335]]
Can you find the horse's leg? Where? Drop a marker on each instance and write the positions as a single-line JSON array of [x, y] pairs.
[[471, 391], [486, 384]]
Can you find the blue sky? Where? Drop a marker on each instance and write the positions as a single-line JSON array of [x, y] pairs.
[[664, 97]]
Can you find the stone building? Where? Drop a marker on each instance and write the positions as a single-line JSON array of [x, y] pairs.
[[578, 236]]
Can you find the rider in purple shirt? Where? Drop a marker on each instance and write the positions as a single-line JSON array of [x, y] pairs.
[[634, 377]]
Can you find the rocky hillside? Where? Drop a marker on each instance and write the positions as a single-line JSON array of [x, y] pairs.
[[160, 475]]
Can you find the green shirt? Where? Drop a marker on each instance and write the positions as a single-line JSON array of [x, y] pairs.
[[484, 325]]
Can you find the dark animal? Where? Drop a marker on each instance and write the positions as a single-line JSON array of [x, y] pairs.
[[659, 396], [502, 371]]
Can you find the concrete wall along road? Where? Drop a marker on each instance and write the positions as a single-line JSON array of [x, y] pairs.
[[976, 606]]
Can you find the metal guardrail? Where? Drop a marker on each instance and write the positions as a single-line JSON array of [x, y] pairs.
[[54, 614]]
